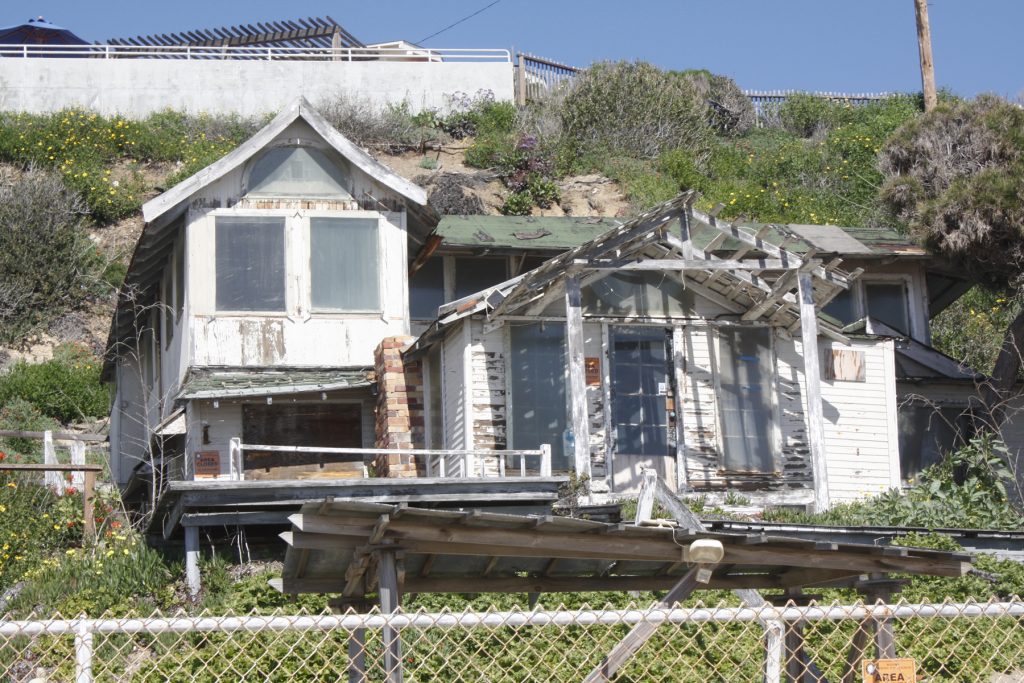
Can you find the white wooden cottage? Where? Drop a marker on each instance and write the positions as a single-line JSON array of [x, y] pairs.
[[298, 294]]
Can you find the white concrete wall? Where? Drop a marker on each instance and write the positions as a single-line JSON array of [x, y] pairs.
[[137, 87]]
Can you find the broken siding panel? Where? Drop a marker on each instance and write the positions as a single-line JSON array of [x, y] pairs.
[[700, 418], [221, 425], [593, 349], [859, 445], [489, 415], [699, 410]]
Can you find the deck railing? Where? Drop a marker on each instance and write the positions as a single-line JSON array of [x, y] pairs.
[[191, 52], [452, 464]]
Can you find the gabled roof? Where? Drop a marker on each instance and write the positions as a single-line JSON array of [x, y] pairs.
[[754, 281], [174, 200]]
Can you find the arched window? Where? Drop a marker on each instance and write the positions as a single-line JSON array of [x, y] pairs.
[[297, 172]]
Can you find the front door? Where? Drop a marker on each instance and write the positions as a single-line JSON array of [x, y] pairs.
[[640, 392]]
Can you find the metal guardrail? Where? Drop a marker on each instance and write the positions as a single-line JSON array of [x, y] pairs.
[[189, 52]]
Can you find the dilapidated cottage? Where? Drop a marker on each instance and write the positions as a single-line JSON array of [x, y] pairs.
[[298, 323]]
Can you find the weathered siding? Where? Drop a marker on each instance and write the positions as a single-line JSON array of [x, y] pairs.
[[861, 445], [487, 382], [593, 347]]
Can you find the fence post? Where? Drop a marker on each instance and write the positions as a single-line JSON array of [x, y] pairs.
[[235, 457], [773, 634], [88, 513], [77, 449], [53, 479], [545, 460], [521, 81], [390, 602], [83, 651], [192, 578]]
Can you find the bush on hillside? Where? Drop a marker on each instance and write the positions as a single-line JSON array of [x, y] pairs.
[[66, 388], [633, 109], [728, 110], [20, 415], [46, 257], [392, 127]]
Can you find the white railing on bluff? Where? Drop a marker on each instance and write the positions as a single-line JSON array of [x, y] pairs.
[[190, 52]]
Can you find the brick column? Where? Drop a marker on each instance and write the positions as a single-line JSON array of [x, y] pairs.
[[399, 408]]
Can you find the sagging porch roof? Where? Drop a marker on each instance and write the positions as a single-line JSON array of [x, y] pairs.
[[229, 382], [756, 280], [332, 543]]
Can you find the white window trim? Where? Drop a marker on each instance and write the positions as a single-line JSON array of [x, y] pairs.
[[297, 254], [716, 364], [914, 312]]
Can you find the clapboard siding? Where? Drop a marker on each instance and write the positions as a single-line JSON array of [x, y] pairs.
[[860, 447]]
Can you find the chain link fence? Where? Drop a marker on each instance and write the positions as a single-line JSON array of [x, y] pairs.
[[947, 641]]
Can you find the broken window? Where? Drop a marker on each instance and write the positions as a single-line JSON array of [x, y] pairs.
[[250, 263], [473, 275], [537, 384], [650, 294], [887, 303], [344, 264], [426, 290], [746, 414], [843, 307], [927, 433], [324, 424], [297, 172]]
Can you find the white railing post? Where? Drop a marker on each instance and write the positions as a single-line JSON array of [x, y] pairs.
[[235, 458], [54, 480], [545, 460], [83, 652], [773, 635], [442, 466], [501, 464], [522, 465]]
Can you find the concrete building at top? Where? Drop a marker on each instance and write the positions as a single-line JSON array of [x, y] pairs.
[[297, 323]]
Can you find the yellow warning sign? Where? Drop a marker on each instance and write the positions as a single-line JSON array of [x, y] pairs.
[[889, 670]]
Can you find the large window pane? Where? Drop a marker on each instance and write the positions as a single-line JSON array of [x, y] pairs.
[[297, 172], [887, 303], [426, 290], [537, 383], [476, 274], [640, 386], [744, 400], [344, 264], [250, 263], [641, 293]]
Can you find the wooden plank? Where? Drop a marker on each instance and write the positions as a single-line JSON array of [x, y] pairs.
[[57, 436], [89, 513], [208, 519], [641, 633], [710, 264], [812, 384], [575, 361], [55, 467]]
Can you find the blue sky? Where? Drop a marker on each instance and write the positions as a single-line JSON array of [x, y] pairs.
[[846, 45]]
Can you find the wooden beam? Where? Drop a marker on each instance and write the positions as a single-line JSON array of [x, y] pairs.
[[641, 633], [812, 388], [575, 362], [685, 264]]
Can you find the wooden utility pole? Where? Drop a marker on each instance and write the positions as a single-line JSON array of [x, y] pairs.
[[924, 44]]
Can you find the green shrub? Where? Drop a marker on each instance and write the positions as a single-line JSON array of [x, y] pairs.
[[46, 257], [633, 109], [804, 114], [518, 204], [66, 388], [20, 415], [392, 127]]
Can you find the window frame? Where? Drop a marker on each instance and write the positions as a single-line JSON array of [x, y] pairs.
[[776, 412], [915, 315], [298, 292]]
